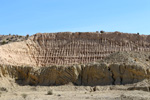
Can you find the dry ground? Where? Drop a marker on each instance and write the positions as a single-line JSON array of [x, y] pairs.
[[70, 92]]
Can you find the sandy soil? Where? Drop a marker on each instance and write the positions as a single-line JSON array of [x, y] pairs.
[[69, 92]]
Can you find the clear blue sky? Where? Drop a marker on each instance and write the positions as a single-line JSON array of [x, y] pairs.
[[31, 16]]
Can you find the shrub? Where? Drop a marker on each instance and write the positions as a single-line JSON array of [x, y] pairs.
[[58, 95], [4, 42], [50, 92], [102, 31], [34, 89], [24, 95], [97, 31], [27, 36], [20, 36], [9, 40], [3, 89]]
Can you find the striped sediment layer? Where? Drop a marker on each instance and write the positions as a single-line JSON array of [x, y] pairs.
[[67, 48]]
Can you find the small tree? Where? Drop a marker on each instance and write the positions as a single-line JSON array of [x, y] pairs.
[[102, 31], [27, 36]]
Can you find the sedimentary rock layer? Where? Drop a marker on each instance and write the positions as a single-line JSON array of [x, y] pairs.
[[70, 48], [91, 74], [81, 48]]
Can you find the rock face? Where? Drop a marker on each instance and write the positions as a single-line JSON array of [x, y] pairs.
[[81, 48], [70, 48], [78, 75], [100, 73], [57, 59]]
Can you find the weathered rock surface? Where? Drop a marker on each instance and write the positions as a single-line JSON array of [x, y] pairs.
[[69, 48], [100, 73], [57, 59]]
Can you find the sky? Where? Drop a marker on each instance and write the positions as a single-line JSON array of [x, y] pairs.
[[33, 16]]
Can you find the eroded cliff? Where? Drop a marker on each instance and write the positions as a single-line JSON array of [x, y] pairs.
[[100, 73], [69, 48], [79, 58]]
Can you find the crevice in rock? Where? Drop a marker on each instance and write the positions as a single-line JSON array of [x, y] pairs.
[[55, 75], [81, 75], [112, 76], [121, 79]]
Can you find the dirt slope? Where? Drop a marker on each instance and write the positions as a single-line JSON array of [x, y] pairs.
[[70, 48], [6, 39]]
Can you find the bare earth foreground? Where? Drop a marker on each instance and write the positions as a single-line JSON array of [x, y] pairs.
[[76, 66], [69, 92]]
